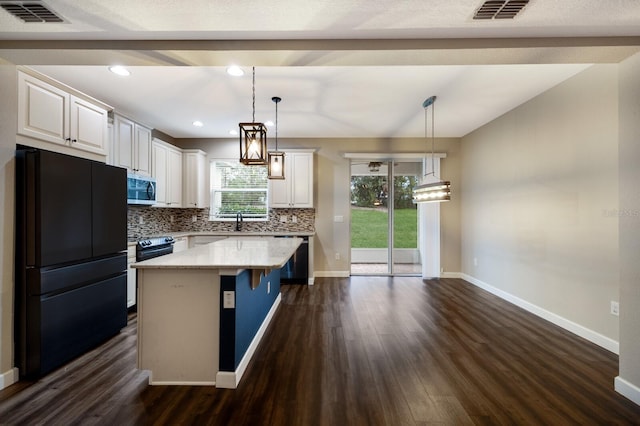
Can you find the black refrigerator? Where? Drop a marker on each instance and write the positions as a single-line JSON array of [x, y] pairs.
[[71, 260]]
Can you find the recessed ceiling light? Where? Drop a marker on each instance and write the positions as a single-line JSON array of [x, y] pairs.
[[198, 123], [233, 132], [235, 71], [268, 123], [119, 70]]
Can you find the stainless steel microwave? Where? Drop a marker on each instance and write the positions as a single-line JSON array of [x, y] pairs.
[[141, 189]]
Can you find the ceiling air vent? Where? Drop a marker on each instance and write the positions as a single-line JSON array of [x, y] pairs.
[[500, 9], [30, 11]]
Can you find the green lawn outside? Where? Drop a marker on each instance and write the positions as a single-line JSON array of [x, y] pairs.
[[369, 228]]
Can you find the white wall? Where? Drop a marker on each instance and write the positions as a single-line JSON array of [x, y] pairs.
[[540, 200], [8, 129], [332, 191], [630, 228]]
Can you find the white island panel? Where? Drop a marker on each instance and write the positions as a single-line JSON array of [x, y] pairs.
[[179, 325]]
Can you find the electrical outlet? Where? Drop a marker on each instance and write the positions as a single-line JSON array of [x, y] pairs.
[[268, 287], [294, 218], [475, 261], [229, 300], [171, 218], [337, 256], [141, 220], [194, 218], [615, 308]]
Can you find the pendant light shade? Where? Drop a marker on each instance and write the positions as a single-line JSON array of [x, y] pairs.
[[276, 158], [253, 143], [253, 137], [433, 189]]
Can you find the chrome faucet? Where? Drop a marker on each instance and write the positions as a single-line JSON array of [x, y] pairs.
[[238, 221]]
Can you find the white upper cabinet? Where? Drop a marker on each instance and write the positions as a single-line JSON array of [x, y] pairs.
[[196, 186], [174, 177], [167, 170], [56, 115], [296, 189], [132, 145]]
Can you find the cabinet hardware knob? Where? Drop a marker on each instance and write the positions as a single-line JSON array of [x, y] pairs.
[[68, 139]]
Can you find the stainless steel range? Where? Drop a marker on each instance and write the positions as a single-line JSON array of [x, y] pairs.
[[148, 248]]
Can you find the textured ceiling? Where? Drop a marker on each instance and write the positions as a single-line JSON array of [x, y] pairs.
[[344, 68]]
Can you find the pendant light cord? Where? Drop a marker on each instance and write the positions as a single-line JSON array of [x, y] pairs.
[[253, 120], [276, 126], [426, 132], [426, 135], [433, 139]]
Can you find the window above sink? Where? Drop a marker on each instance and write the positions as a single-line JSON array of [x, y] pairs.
[[238, 188]]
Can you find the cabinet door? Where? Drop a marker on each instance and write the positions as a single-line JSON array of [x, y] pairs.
[[124, 135], [195, 186], [43, 110], [279, 189], [301, 180], [142, 151], [174, 178], [88, 126], [296, 189], [159, 171], [111, 145]]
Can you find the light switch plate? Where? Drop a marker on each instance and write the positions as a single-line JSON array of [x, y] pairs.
[[283, 218], [338, 219], [229, 300]]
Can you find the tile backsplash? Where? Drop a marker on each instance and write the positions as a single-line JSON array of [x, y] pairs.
[[147, 221]]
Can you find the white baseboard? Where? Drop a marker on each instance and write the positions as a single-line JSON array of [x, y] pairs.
[[590, 335], [627, 389], [8, 378], [451, 275], [230, 379], [332, 274]]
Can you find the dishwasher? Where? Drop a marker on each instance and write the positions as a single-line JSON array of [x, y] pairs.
[[296, 270]]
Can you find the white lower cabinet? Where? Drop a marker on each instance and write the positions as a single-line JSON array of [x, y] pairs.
[[131, 276]]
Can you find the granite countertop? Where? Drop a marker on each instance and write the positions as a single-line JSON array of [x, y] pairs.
[[229, 253]]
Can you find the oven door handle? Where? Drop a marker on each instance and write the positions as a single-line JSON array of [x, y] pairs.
[[150, 253]]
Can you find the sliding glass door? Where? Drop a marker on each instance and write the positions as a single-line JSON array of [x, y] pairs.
[[384, 220], [405, 256]]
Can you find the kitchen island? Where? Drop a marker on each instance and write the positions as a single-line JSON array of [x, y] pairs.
[[203, 311]]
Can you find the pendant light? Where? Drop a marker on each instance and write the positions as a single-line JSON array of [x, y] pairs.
[[438, 190], [253, 137], [276, 158]]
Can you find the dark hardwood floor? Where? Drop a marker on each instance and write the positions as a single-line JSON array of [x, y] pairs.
[[359, 351]]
